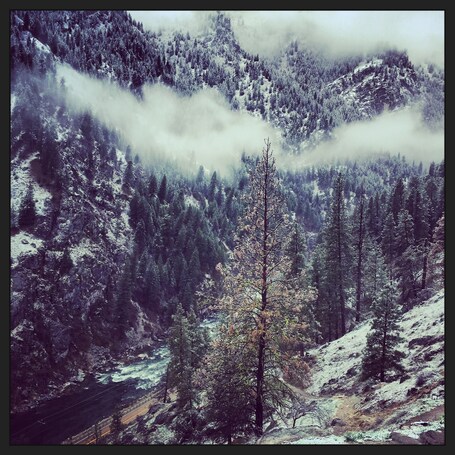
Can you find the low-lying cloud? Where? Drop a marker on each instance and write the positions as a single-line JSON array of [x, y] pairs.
[[202, 129], [342, 33], [193, 130], [399, 132], [338, 33]]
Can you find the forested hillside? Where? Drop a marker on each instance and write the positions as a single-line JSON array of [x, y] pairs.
[[114, 251]]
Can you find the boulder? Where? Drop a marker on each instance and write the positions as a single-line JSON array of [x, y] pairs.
[[425, 341], [432, 437], [403, 439], [351, 372], [338, 422]]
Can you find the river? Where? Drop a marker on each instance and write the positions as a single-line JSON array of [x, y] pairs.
[[94, 399]]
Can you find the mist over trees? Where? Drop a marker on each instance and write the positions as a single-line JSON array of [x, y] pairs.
[[113, 253]]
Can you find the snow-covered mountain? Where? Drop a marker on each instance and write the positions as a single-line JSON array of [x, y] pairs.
[[115, 244]]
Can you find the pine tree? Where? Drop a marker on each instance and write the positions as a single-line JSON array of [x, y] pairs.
[[123, 301], [180, 368], [200, 175], [436, 255], [388, 239], [153, 287], [404, 232], [116, 425], [397, 199], [128, 178], [296, 250], [260, 304], [373, 261], [226, 378], [212, 186], [359, 234], [153, 185], [380, 355], [27, 209], [338, 255], [162, 192], [140, 237], [66, 263]]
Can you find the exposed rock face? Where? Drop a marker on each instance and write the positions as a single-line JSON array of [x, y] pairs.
[[403, 439], [432, 437]]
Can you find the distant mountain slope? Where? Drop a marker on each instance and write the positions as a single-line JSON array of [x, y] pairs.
[[300, 91]]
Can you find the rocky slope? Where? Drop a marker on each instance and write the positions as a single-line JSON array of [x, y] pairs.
[[67, 267], [337, 407]]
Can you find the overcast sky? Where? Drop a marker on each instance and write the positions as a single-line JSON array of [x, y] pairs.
[[421, 33]]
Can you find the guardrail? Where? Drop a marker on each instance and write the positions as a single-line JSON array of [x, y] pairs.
[[89, 433]]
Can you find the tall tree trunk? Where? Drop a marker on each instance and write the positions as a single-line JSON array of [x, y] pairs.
[[359, 262], [260, 387], [166, 384], [340, 268], [425, 264], [383, 353], [259, 422]]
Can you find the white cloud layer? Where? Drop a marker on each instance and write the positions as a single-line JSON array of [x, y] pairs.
[[339, 33], [394, 132], [200, 129]]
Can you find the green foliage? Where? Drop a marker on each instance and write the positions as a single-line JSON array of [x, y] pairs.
[[381, 355], [116, 425], [187, 345], [27, 209], [296, 250], [162, 192], [66, 263], [227, 381]]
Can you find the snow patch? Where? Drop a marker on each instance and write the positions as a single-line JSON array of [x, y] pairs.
[[332, 439], [190, 200], [84, 249], [24, 244], [42, 198], [20, 180]]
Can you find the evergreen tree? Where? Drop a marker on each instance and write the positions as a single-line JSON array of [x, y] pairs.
[[337, 253], [162, 192], [123, 301], [140, 237], [116, 425], [200, 175], [260, 304], [436, 255], [388, 239], [226, 377], [296, 250], [180, 368], [128, 154], [323, 308], [373, 261], [381, 354], [27, 209], [359, 234], [212, 187], [153, 287], [397, 199], [128, 178], [404, 232], [153, 185], [66, 263]]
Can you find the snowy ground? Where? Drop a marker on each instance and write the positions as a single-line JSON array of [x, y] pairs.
[[24, 243], [20, 180], [350, 411]]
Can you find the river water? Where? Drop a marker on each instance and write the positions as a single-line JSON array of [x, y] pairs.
[[94, 399]]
